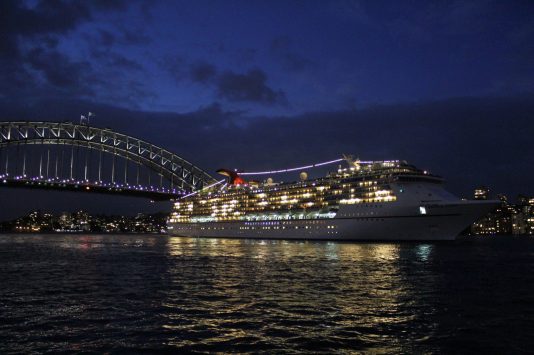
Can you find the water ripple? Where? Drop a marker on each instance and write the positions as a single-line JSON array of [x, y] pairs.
[[123, 294]]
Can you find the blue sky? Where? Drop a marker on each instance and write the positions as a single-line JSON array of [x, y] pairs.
[[312, 55]]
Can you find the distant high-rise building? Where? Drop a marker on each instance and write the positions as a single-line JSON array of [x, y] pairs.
[[481, 193], [530, 225], [65, 221], [81, 221], [508, 218], [503, 220], [519, 223], [522, 200], [503, 198]]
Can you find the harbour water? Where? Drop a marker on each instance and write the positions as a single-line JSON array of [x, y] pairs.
[[152, 293]]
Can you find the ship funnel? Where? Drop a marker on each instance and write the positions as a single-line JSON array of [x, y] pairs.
[[233, 177]]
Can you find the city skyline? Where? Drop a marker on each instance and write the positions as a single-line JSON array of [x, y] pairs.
[[508, 219], [82, 221], [448, 87]]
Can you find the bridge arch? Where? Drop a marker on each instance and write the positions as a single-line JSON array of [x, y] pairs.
[[181, 175]]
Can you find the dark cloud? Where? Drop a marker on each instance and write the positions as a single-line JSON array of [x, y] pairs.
[[203, 72], [17, 20], [29, 56], [105, 38], [50, 41], [236, 87], [45, 17], [176, 66], [248, 87], [58, 69], [109, 38], [109, 5], [37, 60], [129, 37], [120, 61], [9, 49]]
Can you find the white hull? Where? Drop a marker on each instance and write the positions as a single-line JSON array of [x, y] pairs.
[[386, 221]]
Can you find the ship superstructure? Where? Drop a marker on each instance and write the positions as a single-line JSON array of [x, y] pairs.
[[366, 200]]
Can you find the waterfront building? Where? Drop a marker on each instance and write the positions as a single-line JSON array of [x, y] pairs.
[[530, 224], [481, 193], [507, 219], [82, 221]]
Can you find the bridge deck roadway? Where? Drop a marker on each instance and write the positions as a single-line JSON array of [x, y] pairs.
[[132, 191]]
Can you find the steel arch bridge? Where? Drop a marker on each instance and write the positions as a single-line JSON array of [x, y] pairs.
[[68, 156]]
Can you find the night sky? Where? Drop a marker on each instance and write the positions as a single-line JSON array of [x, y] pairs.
[[446, 85]]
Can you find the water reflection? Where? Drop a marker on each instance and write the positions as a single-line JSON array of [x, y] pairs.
[[291, 293], [423, 251], [157, 293]]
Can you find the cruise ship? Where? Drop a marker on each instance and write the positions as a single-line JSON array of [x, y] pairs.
[[362, 200]]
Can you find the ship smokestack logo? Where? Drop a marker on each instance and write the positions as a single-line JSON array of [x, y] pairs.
[[233, 177]]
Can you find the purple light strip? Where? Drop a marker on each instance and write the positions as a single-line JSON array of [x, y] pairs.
[[293, 169], [207, 187]]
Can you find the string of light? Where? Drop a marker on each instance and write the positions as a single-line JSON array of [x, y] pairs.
[[275, 172], [207, 187], [294, 169]]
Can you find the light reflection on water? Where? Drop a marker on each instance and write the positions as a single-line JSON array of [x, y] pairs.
[[132, 293]]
